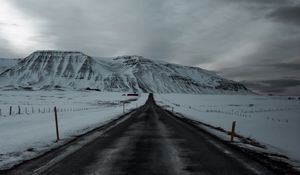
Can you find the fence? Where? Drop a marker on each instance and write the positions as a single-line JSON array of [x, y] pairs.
[[12, 111]]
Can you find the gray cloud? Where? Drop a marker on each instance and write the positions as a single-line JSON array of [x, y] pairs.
[[252, 40], [287, 66], [282, 83], [278, 86], [289, 14]]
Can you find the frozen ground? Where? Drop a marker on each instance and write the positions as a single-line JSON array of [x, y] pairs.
[[32, 132], [272, 121]]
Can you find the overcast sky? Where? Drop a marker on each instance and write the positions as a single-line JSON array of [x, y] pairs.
[[253, 41]]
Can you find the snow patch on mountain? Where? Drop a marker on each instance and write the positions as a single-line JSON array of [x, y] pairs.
[[75, 70], [6, 63]]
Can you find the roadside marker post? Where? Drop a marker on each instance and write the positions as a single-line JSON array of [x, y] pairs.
[[232, 131], [56, 124], [123, 107]]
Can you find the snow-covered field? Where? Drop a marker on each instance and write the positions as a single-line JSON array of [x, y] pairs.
[[25, 135], [272, 121]]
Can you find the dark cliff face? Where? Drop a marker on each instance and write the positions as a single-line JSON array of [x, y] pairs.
[[75, 70]]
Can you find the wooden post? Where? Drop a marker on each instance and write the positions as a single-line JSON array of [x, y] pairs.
[[232, 131], [123, 107], [19, 110], [56, 124], [10, 110]]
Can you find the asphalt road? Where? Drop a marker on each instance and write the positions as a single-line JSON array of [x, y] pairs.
[[154, 142]]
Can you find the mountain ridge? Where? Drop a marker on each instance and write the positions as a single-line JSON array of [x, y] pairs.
[[47, 69], [6, 63]]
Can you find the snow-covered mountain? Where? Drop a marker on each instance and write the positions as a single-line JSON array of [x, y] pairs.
[[75, 70], [6, 63]]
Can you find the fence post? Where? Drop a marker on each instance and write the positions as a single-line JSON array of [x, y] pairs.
[[56, 124], [232, 131], [19, 110], [10, 110], [123, 107]]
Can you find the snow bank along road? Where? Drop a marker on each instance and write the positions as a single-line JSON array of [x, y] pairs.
[[152, 141]]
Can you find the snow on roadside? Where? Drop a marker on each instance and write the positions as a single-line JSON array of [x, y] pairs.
[[272, 121], [24, 136]]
